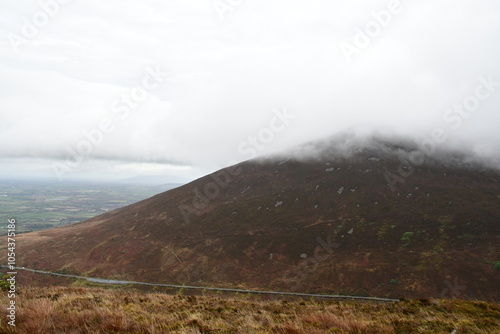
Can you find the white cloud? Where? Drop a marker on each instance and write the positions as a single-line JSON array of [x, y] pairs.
[[227, 76]]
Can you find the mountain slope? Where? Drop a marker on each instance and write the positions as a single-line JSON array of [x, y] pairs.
[[327, 224]]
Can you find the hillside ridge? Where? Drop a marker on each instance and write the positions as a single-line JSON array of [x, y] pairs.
[[328, 224]]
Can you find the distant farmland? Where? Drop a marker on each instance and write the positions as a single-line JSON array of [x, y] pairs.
[[39, 205]]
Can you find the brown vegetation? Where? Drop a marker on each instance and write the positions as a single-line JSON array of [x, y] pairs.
[[91, 310]]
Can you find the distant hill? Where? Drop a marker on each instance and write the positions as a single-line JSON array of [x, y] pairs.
[[313, 222], [155, 180]]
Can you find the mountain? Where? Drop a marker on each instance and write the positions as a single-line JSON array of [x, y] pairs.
[[155, 180], [332, 219]]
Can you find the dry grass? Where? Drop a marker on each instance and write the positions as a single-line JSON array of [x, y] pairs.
[[93, 310]]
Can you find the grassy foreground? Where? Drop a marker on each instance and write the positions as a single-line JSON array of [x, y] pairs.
[[96, 310]]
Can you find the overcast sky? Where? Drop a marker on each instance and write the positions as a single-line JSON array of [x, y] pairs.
[[120, 88]]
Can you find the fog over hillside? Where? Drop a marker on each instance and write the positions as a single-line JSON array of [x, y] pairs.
[[181, 88], [411, 152]]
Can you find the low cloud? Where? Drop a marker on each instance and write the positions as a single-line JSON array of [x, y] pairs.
[[226, 77]]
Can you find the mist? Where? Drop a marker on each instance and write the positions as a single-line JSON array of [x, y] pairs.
[[181, 88]]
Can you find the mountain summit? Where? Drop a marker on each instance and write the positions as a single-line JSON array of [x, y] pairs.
[[363, 220]]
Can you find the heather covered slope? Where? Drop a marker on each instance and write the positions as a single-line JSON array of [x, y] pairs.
[[328, 224]]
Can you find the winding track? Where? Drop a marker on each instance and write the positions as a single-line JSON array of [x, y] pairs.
[[263, 292]]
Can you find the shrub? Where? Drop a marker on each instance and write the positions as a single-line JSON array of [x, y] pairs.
[[4, 285], [407, 236]]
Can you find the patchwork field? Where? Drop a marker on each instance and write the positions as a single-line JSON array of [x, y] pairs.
[[39, 205]]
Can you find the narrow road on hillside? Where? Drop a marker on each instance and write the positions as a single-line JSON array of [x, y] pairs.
[[282, 293]]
